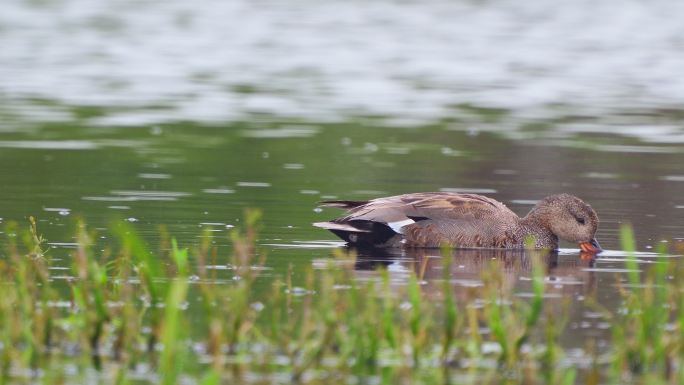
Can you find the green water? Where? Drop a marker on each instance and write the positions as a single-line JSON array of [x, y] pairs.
[[184, 117], [188, 176], [191, 177]]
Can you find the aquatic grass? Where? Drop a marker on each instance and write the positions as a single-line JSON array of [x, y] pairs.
[[645, 340], [452, 320], [512, 323], [27, 309], [126, 306], [150, 272], [416, 320], [173, 355], [89, 292]]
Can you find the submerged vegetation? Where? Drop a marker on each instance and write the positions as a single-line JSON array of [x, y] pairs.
[[123, 314]]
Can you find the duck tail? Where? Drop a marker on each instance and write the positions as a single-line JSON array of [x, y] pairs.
[[332, 226], [342, 204]]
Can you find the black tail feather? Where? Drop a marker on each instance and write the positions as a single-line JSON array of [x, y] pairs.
[[364, 233], [342, 204]]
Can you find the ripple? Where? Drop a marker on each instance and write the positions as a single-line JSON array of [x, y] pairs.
[[142, 195], [605, 254], [253, 184], [274, 67], [63, 245], [154, 176], [673, 178], [637, 149], [50, 144], [59, 210], [284, 132], [154, 194], [600, 175], [308, 244], [220, 190]]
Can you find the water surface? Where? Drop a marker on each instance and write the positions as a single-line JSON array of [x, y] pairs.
[[166, 113]]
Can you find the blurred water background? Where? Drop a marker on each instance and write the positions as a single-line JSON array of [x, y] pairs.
[[185, 114]]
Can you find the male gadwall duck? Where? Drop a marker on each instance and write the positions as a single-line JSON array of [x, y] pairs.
[[434, 219]]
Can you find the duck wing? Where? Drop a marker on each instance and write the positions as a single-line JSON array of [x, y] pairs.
[[420, 218]]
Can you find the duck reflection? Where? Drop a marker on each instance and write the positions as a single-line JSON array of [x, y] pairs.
[[564, 274]]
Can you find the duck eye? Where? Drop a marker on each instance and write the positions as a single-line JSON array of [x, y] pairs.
[[580, 221]]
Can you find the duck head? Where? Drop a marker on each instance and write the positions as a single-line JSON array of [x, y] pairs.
[[570, 219]]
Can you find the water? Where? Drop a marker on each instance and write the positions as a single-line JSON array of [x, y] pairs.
[[131, 63], [189, 176], [164, 113]]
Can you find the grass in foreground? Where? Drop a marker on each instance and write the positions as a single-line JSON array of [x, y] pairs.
[[127, 315]]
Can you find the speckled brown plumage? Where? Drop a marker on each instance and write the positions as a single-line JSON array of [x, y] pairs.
[[462, 220]]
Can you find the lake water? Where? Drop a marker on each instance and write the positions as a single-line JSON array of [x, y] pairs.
[[183, 115]]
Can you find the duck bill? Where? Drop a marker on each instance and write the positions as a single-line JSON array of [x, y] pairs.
[[591, 246]]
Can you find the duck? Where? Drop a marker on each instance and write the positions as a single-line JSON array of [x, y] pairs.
[[462, 220]]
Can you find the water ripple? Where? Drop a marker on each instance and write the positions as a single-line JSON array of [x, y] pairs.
[[415, 65]]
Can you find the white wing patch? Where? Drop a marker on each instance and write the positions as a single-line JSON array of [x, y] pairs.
[[398, 225]]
